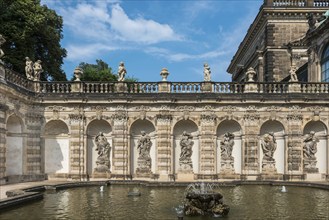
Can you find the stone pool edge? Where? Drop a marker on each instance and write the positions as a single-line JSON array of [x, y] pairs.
[[21, 196]]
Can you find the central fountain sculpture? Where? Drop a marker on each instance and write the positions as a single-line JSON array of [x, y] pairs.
[[201, 199]]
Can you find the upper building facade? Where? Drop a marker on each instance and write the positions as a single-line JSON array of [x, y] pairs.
[[281, 36]]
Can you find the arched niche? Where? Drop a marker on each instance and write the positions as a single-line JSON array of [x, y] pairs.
[[135, 134], [232, 127], [277, 129], [14, 146], [191, 128], [56, 147], [320, 132], [93, 129]]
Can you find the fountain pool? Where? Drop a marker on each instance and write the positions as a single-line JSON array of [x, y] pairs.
[[245, 202]]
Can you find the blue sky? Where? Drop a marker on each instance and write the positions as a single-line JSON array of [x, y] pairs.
[[149, 35]]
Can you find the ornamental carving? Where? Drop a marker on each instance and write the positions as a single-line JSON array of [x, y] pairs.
[[273, 108], [208, 118], [56, 109], [295, 117], [144, 161], [229, 109], [99, 111], [185, 108], [208, 107], [251, 117], [32, 118], [76, 117], [163, 118], [120, 116]]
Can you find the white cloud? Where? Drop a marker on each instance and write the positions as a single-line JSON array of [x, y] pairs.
[[140, 30], [178, 57], [84, 52]]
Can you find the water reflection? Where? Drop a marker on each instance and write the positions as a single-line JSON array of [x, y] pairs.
[[246, 202]]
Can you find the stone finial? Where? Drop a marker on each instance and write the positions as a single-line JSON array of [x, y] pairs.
[[78, 72], [2, 41], [250, 74], [121, 72], [164, 74], [206, 72]]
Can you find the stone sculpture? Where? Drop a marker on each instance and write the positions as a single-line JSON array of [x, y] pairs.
[[186, 144], [227, 146], [293, 75], [28, 68], [309, 151], [103, 149], [121, 72], [206, 72], [37, 69], [2, 41], [144, 161], [227, 160], [269, 145], [250, 74]]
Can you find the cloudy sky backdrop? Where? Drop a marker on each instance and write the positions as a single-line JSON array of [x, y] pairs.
[[149, 35]]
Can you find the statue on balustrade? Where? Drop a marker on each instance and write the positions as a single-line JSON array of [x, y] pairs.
[[206, 72], [269, 146], [144, 161], [2, 41], [309, 151], [121, 72], [293, 75], [186, 144], [103, 149], [227, 146], [37, 69], [28, 68]]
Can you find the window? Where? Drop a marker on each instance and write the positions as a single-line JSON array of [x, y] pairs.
[[325, 65]]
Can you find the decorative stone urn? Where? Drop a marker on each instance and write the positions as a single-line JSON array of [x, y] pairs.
[[78, 72], [164, 74]]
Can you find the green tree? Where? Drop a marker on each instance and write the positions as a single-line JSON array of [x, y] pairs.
[[97, 72], [34, 31]]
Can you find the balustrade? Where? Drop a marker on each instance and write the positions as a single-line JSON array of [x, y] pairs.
[[186, 87], [292, 3]]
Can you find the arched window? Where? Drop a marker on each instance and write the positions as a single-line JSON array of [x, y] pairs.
[[325, 65]]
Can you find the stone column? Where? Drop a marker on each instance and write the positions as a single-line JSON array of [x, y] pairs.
[[121, 157], [33, 151], [3, 109], [251, 153], [77, 164], [208, 145], [164, 146], [295, 149]]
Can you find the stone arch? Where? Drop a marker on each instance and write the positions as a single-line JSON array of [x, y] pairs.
[[233, 127], [14, 146], [55, 149], [190, 127], [277, 128], [134, 136], [321, 133], [93, 129]]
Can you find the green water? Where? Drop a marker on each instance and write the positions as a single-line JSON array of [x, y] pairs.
[[246, 202]]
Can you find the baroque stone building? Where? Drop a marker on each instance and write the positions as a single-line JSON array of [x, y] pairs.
[[168, 131]]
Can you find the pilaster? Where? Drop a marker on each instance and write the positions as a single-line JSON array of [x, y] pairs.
[[3, 109], [164, 144]]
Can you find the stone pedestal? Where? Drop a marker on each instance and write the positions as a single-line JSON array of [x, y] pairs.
[[227, 166], [164, 87], [121, 87], [185, 177], [310, 166], [206, 87], [101, 175], [185, 166], [76, 87], [250, 88], [294, 88], [144, 167], [268, 167]]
